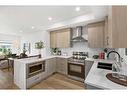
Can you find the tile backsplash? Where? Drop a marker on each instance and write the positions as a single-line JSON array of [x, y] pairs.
[[83, 47]]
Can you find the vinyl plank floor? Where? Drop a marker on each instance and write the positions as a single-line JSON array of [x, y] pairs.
[[55, 81], [58, 81]]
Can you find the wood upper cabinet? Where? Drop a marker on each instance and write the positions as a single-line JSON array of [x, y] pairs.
[[117, 27], [96, 34], [60, 38], [53, 39]]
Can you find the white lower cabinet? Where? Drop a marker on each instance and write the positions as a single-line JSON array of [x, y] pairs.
[[33, 80], [61, 65], [56, 65], [50, 66]]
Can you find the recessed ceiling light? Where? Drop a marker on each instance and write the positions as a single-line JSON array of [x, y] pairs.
[[77, 8], [50, 18], [32, 27], [20, 31]]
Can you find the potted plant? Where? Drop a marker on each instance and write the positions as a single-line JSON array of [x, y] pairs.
[[23, 54], [9, 53], [54, 51], [39, 46]]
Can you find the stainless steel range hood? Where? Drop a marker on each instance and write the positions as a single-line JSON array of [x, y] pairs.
[[77, 35]]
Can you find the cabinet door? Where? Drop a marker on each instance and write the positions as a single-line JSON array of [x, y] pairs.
[[51, 66], [58, 65], [118, 26], [63, 38], [61, 66], [60, 38], [96, 35], [53, 40], [64, 66], [34, 80]]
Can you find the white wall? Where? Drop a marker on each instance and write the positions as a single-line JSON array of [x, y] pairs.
[[15, 40], [32, 38]]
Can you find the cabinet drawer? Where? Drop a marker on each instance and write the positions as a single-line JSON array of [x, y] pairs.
[[33, 80]]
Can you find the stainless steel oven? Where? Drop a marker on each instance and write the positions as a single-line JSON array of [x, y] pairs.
[[76, 65], [76, 69], [35, 68]]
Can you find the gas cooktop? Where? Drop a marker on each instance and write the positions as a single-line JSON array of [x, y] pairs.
[[76, 60], [78, 57]]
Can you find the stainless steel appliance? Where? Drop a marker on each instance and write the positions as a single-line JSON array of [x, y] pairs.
[[76, 65], [77, 34], [33, 69]]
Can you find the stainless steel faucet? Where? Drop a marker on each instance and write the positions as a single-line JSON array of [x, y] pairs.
[[118, 64], [119, 57]]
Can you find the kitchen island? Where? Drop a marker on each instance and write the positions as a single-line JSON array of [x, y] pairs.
[[96, 78], [29, 71]]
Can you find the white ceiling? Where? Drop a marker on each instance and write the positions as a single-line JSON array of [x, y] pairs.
[[16, 18]]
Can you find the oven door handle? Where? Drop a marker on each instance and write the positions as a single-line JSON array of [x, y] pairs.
[[76, 63]]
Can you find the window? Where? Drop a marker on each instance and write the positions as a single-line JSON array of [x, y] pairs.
[[5, 46]]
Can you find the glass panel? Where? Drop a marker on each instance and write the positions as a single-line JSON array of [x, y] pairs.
[[5, 47], [75, 68], [35, 68]]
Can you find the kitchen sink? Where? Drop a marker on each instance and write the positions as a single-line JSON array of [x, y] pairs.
[[104, 65], [121, 81]]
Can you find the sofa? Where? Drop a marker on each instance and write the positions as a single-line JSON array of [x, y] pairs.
[[3, 62]]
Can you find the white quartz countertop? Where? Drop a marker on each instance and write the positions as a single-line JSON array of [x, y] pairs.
[[97, 77], [62, 56], [31, 60]]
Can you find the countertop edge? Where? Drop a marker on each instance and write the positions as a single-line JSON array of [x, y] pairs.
[[27, 60], [99, 80]]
